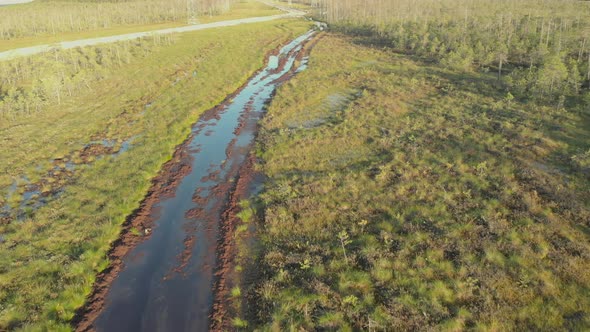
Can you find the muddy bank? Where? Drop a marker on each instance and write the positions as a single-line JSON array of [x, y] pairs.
[[248, 184], [140, 220], [161, 276]]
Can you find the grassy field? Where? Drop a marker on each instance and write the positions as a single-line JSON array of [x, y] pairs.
[[241, 9], [406, 196], [49, 258]]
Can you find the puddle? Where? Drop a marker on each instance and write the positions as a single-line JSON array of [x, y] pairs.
[[32, 196], [273, 62], [167, 280], [338, 101], [146, 107], [335, 102]]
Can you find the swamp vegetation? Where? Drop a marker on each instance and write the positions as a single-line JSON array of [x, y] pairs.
[[152, 92], [430, 170], [405, 196]]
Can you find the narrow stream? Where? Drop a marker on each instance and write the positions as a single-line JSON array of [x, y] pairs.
[[167, 280]]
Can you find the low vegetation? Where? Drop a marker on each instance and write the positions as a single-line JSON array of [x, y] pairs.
[[46, 22], [31, 85], [148, 95], [52, 17], [405, 194], [430, 170]]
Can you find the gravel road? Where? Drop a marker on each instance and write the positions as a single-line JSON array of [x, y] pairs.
[[13, 2], [27, 51]]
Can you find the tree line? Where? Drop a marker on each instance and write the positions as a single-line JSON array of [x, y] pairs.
[[539, 48], [54, 17]]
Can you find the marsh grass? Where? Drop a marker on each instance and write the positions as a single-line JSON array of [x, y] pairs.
[[48, 261], [462, 208]]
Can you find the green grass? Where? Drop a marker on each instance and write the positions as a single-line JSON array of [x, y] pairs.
[[48, 262], [403, 195], [242, 9], [243, 264], [236, 292]]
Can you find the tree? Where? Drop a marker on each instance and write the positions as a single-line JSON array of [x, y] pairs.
[[574, 78], [552, 75], [501, 55]]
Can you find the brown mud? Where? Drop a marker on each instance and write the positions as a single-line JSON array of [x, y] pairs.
[[162, 186], [221, 313], [142, 219], [172, 172], [226, 250]]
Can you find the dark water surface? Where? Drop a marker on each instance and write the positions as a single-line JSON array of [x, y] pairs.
[[156, 290]]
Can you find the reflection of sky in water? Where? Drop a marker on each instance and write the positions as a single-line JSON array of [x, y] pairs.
[[149, 291], [273, 62]]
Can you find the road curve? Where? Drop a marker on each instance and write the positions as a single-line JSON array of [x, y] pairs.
[[27, 51]]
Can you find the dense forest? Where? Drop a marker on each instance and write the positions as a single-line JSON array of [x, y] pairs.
[[53, 17], [540, 49]]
